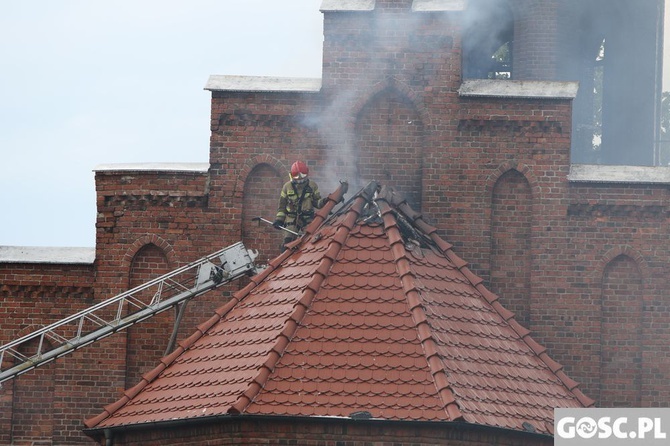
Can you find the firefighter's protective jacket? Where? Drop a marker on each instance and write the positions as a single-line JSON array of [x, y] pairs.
[[297, 203]]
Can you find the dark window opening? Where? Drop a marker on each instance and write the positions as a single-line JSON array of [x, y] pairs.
[[664, 142], [662, 151], [590, 131], [488, 40], [613, 49]]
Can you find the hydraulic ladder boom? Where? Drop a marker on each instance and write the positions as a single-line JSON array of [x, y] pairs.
[[125, 309]]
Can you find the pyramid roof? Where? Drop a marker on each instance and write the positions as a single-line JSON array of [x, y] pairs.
[[369, 312]]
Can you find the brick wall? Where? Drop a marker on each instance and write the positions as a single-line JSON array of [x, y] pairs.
[[584, 265], [31, 296]]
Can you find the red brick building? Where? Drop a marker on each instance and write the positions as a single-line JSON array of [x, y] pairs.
[[371, 319], [497, 153]]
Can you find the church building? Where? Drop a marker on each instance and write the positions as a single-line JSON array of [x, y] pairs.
[[495, 243]]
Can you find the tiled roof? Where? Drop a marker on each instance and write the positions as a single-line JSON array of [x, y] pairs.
[[370, 311]]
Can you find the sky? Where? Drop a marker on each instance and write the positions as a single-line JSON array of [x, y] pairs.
[[90, 82]]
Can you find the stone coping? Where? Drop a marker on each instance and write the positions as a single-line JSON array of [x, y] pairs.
[[347, 5], [595, 173], [218, 82], [518, 89], [155, 167], [43, 254], [369, 5], [438, 5]]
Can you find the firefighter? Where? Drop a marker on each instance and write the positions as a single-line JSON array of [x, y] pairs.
[[297, 201]]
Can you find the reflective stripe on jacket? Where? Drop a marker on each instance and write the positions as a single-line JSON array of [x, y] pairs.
[[291, 207]]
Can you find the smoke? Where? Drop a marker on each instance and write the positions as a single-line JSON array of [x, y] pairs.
[[384, 49], [487, 26], [387, 37], [341, 154]]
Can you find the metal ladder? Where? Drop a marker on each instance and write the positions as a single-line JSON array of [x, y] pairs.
[[126, 309]]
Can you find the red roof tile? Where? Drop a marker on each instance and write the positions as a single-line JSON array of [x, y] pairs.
[[369, 311]]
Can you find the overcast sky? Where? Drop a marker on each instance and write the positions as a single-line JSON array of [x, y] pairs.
[[89, 82]]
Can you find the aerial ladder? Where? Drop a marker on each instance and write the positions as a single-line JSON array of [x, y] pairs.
[[173, 289]]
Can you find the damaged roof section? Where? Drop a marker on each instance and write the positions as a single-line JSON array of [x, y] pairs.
[[370, 311]]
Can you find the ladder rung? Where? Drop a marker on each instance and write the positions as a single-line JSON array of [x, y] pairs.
[[68, 334]]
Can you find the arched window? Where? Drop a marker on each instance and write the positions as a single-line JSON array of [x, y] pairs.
[[260, 198], [511, 225], [488, 40], [390, 139], [147, 341], [621, 334]]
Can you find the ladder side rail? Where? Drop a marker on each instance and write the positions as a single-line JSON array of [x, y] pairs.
[[69, 346], [74, 317], [104, 331], [122, 299], [79, 340], [90, 315], [115, 299]]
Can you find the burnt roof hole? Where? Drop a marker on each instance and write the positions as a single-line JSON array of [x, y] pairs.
[[371, 214], [410, 235]]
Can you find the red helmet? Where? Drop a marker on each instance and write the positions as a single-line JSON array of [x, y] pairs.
[[299, 171]]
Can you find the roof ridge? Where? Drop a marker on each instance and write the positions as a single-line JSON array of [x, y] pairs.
[[147, 378], [182, 346], [435, 364], [165, 362], [321, 215], [508, 317], [305, 301]]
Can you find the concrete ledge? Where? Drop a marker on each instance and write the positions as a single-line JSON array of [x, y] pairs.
[[263, 83], [518, 89], [591, 173], [347, 5], [438, 5], [153, 167], [38, 254]]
